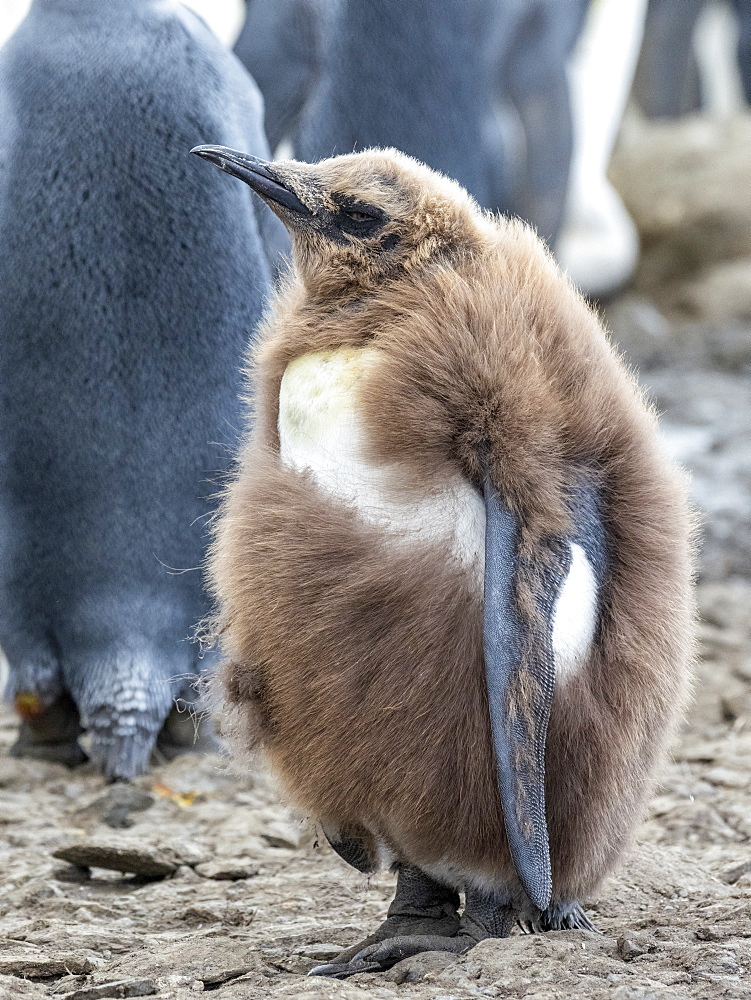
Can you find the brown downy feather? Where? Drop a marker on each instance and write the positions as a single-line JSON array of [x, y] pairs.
[[358, 663]]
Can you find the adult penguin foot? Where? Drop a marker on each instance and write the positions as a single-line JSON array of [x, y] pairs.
[[484, 916], [51, 733], [185, 730]]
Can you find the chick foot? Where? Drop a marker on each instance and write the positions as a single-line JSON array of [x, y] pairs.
[[484, 916]]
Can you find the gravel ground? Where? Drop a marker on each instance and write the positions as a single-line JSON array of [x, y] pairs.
[[236, 894]]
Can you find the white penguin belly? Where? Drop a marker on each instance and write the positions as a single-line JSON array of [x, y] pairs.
[[321, 431]]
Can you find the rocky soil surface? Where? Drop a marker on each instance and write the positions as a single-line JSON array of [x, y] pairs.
[[195, 879]]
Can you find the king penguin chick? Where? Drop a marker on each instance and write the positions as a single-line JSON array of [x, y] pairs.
[[124, 314], [454, 567]]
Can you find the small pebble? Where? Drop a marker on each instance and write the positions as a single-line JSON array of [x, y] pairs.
[[228, 869], [321, 952], [186, 874], [630, 948]]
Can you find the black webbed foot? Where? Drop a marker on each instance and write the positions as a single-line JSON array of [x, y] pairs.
[[417, 924], [560, 917], [51, 734]]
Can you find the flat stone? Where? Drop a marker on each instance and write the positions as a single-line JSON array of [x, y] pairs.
[[320, 952], [212, 961], [119, 988], [138, 860], [214, 979], [297, 965], [281, 834], [186, 852], [731, 875], [228, 869], [283, 841], [43, 966]]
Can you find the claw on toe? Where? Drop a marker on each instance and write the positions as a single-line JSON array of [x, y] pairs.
[[559, 917], [381, 956], [344, 970]]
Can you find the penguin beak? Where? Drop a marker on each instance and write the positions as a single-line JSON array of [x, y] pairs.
[[257, 174]]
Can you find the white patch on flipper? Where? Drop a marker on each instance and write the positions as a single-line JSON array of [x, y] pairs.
[[321, 431], [575, 615]]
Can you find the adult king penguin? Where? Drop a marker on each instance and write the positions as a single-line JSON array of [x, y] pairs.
[[476, 89], [281, 45], [130, 282], [414, 75], [453, 569]]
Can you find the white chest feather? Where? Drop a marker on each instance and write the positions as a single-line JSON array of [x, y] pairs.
[[321, 432], [575, 614]]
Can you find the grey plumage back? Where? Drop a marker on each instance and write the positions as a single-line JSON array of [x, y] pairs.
[[282, 44], [131, 280], [476, 89], [413, 76]]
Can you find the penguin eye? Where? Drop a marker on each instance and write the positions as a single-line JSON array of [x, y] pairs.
[[358, 220]]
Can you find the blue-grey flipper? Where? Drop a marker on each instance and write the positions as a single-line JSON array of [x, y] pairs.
[[520, 668]]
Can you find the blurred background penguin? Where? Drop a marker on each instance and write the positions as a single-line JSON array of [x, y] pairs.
[[130, 284], [476, 89]]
